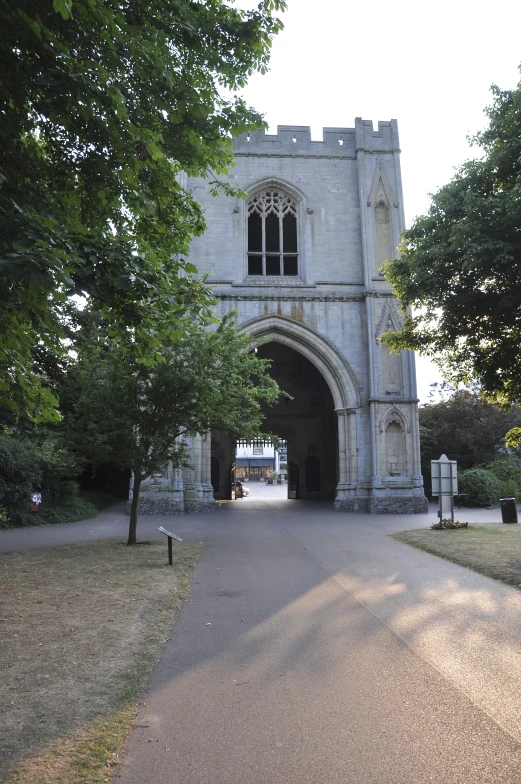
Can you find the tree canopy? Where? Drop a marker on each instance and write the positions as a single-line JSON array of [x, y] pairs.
[[104, 106], [473, 432], [463, 426], [459, 266], [119, 410]]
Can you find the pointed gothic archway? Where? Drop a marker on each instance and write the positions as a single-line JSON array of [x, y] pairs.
[[321, 420], [338, 375], [306, 420]]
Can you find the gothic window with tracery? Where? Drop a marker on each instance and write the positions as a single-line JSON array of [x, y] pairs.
[[272, 234]]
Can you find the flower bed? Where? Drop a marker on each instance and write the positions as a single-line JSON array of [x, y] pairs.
[[447, 524]]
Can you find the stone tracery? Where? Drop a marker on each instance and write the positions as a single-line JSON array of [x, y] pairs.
[[272, 234], [272, 201]]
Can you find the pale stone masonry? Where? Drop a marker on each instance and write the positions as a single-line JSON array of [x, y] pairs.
[[298, 261]]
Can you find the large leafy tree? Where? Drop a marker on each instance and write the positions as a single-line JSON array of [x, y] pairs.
[[119, 410], [463, 426], [104, 105], [459, 266]]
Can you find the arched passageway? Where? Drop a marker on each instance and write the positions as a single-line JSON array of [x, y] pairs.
[[307, 421]]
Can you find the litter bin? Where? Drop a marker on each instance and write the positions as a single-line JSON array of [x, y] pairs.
[[508, 510]]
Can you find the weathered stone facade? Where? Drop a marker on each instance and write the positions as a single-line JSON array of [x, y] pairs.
[[180, 490], [298, 261]]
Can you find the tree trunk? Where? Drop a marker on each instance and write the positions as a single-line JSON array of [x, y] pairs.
[[133, 509]]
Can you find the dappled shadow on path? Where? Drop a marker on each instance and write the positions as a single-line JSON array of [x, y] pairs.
[[319, 626]]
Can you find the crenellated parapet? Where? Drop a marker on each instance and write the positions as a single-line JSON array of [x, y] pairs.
[[385, 139], [295, 140]]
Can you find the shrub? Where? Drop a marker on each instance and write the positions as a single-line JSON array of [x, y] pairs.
[[41, 465], [20, 476], [508, 471], [510, 489], [79, 507], [482, 486]]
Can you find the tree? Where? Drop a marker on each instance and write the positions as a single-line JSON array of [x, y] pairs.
[[104, 105], [465, 427], [135, 415], [459, 266]]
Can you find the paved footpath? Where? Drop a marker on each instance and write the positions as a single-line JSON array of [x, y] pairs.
[[313, 648], [112, 523]]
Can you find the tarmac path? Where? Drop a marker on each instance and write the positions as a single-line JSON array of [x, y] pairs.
[[313, 648]]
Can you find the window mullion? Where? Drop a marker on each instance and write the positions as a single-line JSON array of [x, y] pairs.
[[264, 204], [281, 245], [263, 243]]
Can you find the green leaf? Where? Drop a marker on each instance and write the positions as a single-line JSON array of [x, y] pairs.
[[63, 7], [31, 23]]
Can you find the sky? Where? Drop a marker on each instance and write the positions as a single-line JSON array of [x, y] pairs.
[[428, 65]]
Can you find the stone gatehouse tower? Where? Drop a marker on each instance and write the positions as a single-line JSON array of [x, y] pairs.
[[298, 261]]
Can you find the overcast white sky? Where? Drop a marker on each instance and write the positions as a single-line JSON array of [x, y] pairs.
[[429, 65]]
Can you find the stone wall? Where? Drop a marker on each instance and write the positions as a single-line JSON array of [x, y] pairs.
[[347, 194], [180, 490]]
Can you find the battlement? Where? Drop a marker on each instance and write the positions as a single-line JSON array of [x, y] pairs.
[[295, 140]]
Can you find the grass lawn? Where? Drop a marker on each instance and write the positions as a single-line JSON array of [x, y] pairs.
[[82, 626], [493, 549]]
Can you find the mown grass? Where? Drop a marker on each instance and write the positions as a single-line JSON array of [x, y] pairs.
[[83, 626], [493, 549]]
